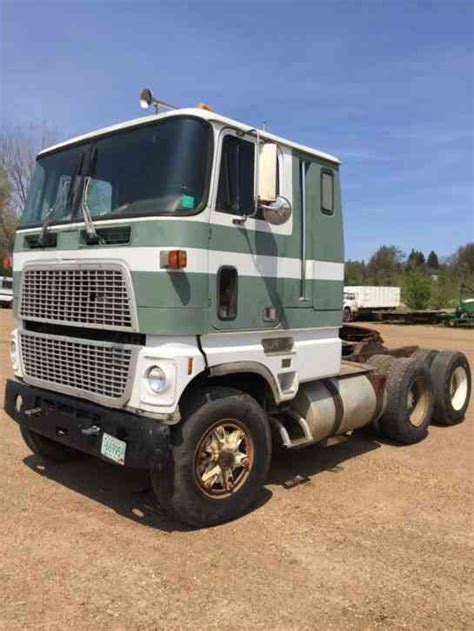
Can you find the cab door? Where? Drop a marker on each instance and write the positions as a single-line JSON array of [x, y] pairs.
[[244, 285]]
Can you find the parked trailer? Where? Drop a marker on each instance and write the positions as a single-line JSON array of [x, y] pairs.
[[179, 307], [366, 300]]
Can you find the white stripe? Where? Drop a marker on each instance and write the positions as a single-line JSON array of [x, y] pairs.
[[147, 259]]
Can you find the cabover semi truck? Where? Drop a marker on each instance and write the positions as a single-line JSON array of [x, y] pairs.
[[178, 287]]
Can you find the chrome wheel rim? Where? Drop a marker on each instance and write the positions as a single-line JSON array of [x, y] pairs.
[[418, 401], [223, 459], [458, 388]]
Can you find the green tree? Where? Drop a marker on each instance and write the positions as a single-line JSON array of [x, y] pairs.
[[445, 290], [385, 266], [416, 258], [463, 261], [432, 261], [355, 273], [416, 289]]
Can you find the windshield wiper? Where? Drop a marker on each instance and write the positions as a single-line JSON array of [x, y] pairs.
[[42, 239], [91, 232]]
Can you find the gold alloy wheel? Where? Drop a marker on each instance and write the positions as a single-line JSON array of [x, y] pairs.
[[418, 401], [223, 459]]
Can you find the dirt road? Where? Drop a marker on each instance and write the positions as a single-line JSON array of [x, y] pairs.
[[379, 537]]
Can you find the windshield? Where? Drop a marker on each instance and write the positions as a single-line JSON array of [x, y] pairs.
[[154, 169]]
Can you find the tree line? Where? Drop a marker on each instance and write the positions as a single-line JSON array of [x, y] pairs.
[[427, 282]]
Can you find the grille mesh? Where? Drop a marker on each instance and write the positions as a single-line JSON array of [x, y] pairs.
[[83, 367], [87, 296]]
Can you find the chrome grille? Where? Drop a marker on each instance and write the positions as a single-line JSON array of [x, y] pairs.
[[101, 371], [91, 295]]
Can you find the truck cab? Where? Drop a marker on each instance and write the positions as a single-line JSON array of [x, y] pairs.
[[178, 285]]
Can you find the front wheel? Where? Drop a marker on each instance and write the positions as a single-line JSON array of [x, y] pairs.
[[347, 315], [220, 459]]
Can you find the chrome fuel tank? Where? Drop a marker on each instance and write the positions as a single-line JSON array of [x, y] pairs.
[[338, 405]]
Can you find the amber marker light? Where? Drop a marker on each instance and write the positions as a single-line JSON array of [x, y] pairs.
[[205, 106], [174, 259], [7, 263]]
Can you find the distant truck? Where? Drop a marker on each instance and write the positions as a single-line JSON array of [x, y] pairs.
[[360, 300], [6, 291]]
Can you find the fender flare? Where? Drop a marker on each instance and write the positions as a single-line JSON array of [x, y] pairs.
[[230, 368]]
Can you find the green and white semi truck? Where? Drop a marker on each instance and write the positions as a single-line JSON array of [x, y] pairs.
[[178, 287]]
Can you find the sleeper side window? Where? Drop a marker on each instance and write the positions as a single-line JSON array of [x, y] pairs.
[[236, 180], [327, 191]]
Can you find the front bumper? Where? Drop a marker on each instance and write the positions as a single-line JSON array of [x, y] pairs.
[[81, 425]]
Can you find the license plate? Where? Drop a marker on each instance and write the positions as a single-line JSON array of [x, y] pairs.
[[113, 448]]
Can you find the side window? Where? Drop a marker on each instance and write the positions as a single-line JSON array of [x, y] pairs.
[[236, 180], [327, 191], [227, 292]]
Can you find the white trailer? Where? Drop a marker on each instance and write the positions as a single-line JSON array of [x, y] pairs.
[[361, 299]]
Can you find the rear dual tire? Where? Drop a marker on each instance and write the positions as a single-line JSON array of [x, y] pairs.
[[451, 376], [409, 401], [430, 386]]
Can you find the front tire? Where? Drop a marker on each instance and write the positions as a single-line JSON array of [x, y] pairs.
[[220, 459], [347, 315]]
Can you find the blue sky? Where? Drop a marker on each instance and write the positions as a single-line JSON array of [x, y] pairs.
[[387, 86]]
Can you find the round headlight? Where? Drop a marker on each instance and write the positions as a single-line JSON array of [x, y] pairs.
[[156, 379]]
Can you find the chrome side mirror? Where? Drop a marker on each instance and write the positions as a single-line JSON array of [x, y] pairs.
[[278, 212]]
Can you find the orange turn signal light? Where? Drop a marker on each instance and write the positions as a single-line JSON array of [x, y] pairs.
[[174, 259], [7, 263], [205, 106]]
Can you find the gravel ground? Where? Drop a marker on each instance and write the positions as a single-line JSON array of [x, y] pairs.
[[378, 537]]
